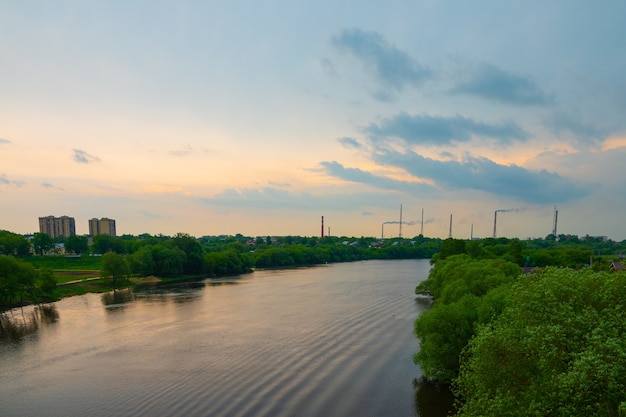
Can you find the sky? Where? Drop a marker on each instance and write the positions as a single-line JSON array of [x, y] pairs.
[[259, 117]]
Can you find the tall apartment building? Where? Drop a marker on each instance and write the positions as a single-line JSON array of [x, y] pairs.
[[103, 226], [57, 226]]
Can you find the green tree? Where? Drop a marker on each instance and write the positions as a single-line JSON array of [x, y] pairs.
[[13, 244], [42, 243], [46, 282], [114, 266], [76, 244], [558, 349], [194, 253], [8, 279]]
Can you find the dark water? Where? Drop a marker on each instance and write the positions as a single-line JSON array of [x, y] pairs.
[[334, 340]]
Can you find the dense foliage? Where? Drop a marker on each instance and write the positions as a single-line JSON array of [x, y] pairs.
[[21, 282], [558, 349], [547, 343], [460, 285]]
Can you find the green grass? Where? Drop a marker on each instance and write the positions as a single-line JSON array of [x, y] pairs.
[[66, 275], [93, 263]]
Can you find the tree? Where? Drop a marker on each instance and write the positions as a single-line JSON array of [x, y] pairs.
[[13, 244], [76, 244], [114, 266], [194, 253], [558, 349], [47, 282], [42, 243]]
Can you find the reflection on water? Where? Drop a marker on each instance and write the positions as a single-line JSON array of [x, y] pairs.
[[335, 340], [15, 326], [117, 299], [432, 399]]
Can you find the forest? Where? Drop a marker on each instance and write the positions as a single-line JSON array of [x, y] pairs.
[[551, 341]]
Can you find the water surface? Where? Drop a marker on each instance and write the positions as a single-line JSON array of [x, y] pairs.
[[333, 340]]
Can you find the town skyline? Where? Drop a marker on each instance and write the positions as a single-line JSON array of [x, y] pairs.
[[213, 119]]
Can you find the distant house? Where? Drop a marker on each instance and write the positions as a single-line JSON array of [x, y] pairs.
[[616, 266]]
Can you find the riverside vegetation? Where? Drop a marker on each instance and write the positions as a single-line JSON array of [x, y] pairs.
[[125, 260], [548, 343]]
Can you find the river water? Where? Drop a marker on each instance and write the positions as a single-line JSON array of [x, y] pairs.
[[331, 340]]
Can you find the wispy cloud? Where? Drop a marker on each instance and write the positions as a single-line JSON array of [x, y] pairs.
[[4, 141], [479, 173], [150, 214], [490, 82], [440, 131], [583, 133], [6, 181], [187, 150], [350, 143], [83, 157], [393, 68], [48, 185], [335, 169], [269, 198], [279, 184]]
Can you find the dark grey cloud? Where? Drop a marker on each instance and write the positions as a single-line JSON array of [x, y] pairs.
[[393, 68], [490, 82], [351, 143], [562, 124], [83, 157], [478, 173], [48, 185], [438, 130], [335, 169], [5, 181]]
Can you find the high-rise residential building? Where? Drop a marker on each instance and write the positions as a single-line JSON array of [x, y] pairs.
[[57, 226], [104, 226]]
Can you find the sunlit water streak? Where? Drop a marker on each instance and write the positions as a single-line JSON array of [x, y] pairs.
[[333, 340]]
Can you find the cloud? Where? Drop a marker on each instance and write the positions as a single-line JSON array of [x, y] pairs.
[[4, 141], [83, 157], [268, 198], [490, 82], [393, 68], [150, 214], [279, 184], [5, 181], [440, 131], [479, 173], [182, 152], [48, 185], [562, 124], [328, 67], [351, 143], [357, 175]]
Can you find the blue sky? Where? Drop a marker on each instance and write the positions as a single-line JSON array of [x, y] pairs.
[[261, 117]]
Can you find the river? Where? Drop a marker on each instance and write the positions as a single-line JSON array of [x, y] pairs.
[[330, 340]]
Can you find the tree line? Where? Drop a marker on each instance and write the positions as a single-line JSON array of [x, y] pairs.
[[552, 342]]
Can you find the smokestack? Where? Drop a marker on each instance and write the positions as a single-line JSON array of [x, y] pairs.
[[322, 226], [472, 232], [450, 232], [400, 234], [495, 219], [556, 217], [422, 227]]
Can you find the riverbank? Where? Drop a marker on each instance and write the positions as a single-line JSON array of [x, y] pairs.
[[68, 286]]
